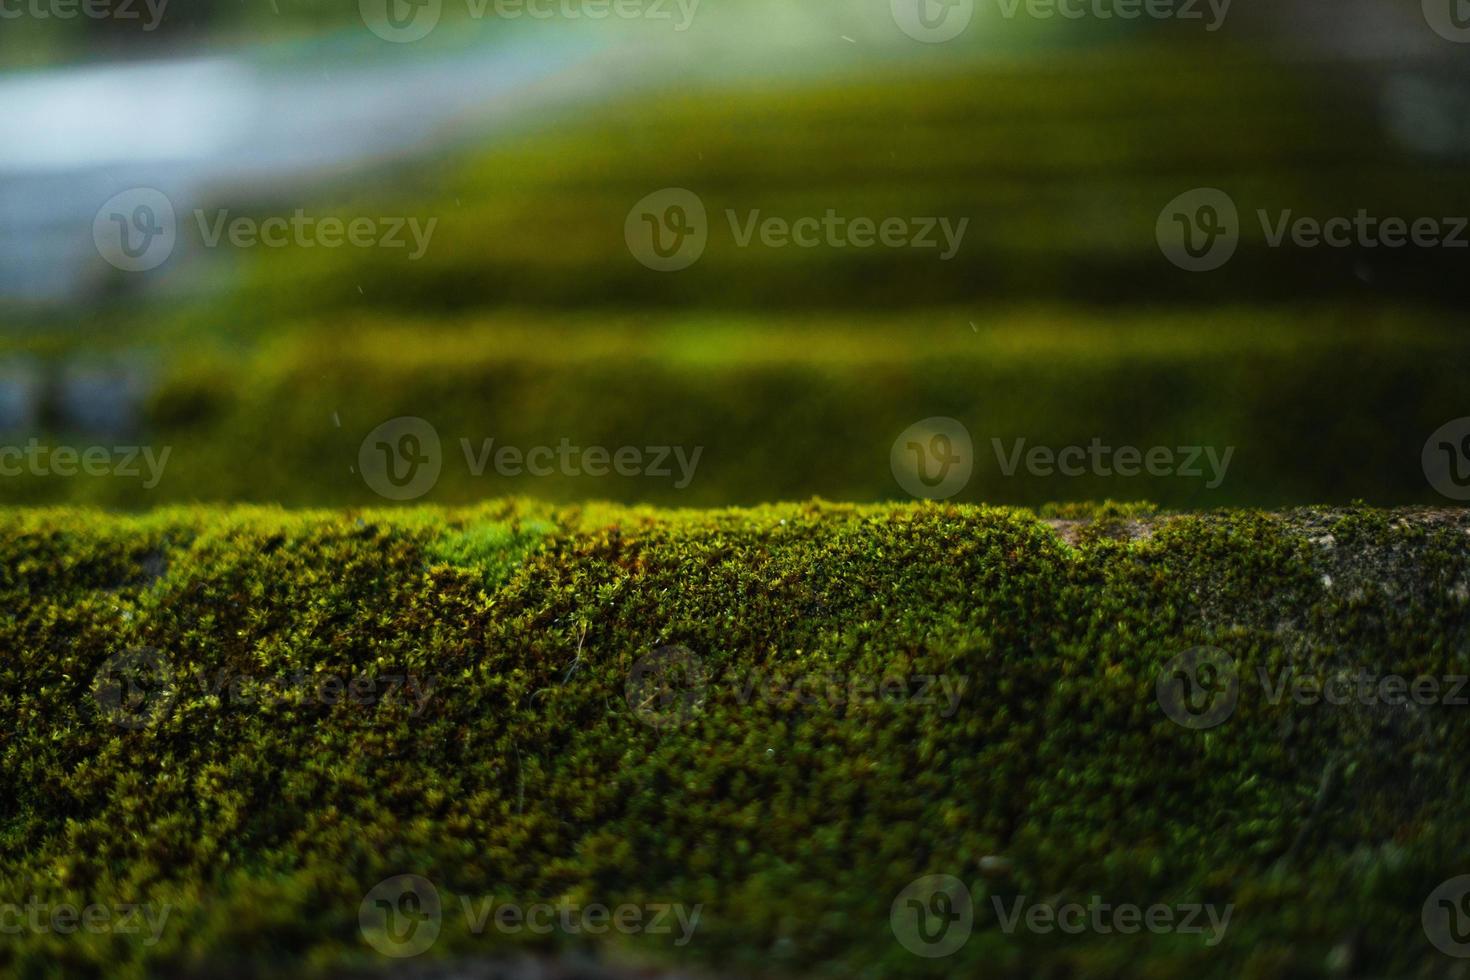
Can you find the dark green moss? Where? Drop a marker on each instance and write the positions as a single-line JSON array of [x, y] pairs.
[[791, 407], [261, 811]]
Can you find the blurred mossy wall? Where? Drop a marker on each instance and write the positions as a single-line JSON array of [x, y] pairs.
[[1058, 319]]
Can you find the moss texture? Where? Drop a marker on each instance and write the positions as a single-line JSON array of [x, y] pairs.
[[261, 811]]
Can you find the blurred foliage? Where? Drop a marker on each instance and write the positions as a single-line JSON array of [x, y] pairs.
[[1058, 321], [1323, 404], [1061, 167]]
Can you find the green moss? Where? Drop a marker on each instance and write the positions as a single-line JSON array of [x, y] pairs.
[[261, 810], [494, 549], [1057, 162], [790, 407]]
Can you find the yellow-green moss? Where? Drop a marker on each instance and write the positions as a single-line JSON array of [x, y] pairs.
[[524, 774]]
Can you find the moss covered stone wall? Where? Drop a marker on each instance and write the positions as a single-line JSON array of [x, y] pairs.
[[296, 742]]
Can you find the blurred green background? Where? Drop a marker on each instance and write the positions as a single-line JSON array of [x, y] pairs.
[[529, 319]]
